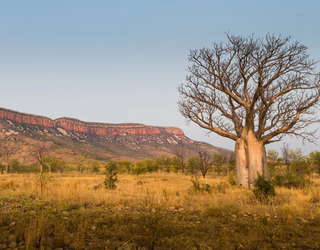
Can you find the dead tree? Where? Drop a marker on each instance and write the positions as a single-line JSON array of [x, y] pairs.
[[253, 91]]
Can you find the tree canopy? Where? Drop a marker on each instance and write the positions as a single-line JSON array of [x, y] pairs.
[[268, 83]]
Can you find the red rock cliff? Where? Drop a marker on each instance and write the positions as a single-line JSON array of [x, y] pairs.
[[104, 128], [7, 114], [86, 127]]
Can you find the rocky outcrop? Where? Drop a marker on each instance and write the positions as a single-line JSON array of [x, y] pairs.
[[87, 127], [105, 129], [7, 114]]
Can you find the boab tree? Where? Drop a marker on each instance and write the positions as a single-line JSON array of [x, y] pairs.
[[253, 91]]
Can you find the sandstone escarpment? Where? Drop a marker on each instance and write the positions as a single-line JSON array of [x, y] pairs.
[[105, 129], [70, 138], [26, 118], [87, 127]]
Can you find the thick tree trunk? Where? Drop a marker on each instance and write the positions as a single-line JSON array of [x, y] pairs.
[[242, 166], [251, 159]]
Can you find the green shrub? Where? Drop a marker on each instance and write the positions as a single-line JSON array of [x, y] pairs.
[[95, 167], [139, 168], [222, 187], [42, 180], [200, 187], [291, 180], [263, 190], [232, 180], [111, 175]]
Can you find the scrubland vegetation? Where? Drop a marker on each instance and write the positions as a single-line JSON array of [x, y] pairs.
[[163, 203], [160, 204]]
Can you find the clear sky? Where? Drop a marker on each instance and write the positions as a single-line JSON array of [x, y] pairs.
[[121, 61]]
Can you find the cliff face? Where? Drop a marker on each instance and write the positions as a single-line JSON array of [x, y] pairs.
[[70, 138], [87, 127], [26, 118], [105, 129]]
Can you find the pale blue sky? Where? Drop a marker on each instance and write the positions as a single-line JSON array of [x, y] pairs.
[[121, 61]]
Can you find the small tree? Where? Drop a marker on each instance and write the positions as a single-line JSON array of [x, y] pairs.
[[273, 160], [175, 163], [111, 175], [139, 168], [285, 151], [193, 165], [164, 163], [205, 162], [95, 167], [42, 180], [180, 153], [39, 153], [7, 154], [151, 165], [81, 164], [125, 166], [315, 160], [17, 167], [231, 163], [218, 162], [300, 164], [7, 149], [53, 164]]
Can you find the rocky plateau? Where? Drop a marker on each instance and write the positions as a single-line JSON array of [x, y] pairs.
[[102, 141]]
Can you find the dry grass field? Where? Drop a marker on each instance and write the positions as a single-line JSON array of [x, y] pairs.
[[152, 211]]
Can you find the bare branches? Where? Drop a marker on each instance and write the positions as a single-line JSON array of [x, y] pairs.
[[205, 161], [267, 85], [180, 153], [39, 152]]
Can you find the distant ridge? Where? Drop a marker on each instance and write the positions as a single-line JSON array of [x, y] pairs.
[[70, 137], [85, 127]]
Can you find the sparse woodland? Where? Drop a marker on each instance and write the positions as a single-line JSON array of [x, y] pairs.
[[253, 91], [154, 205]]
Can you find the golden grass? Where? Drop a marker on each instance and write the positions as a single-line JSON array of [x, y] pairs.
[[153, 209], [169, 190]]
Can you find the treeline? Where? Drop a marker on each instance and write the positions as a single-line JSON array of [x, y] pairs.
[[201, 164], [293, 161], [194, 165], [292, 169], [49, 164], [288, 161]]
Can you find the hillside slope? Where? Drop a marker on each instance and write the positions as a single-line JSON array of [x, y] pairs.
[[69, 138]]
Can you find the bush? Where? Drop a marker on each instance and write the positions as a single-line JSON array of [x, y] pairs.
[[222, 187], [95, 167], [17, 167], [291, 180], [42, 180], [111, 175], [232, 180], [263, 190], [203, 187], [139, 168]]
